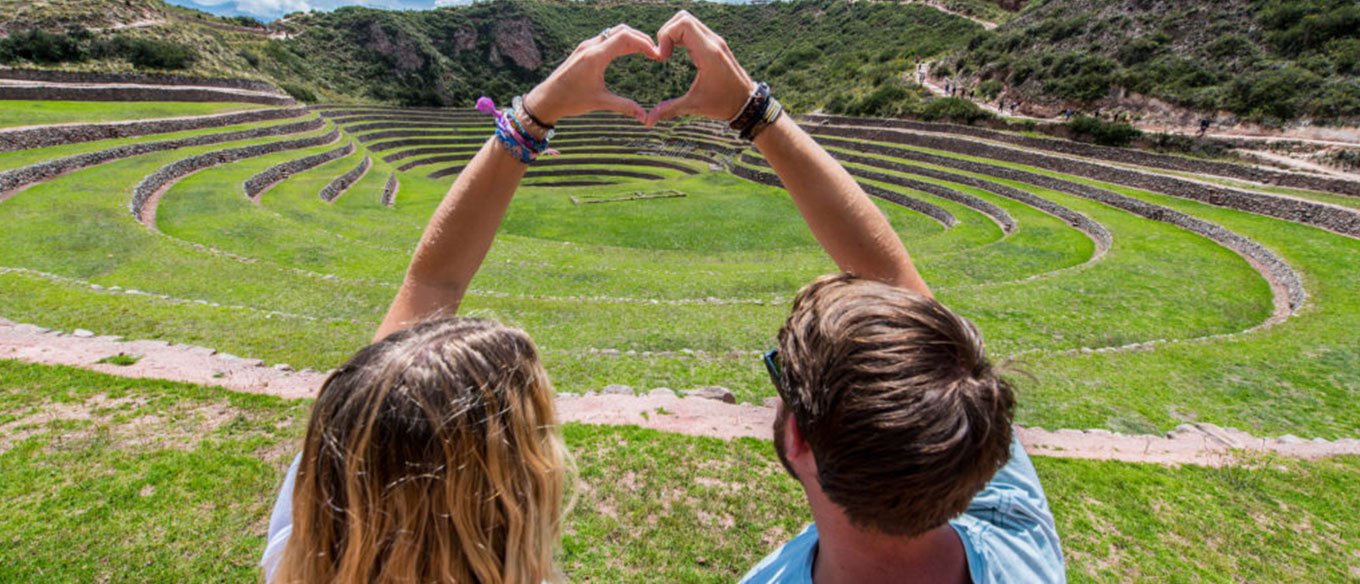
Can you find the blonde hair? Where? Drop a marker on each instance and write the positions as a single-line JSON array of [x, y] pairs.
[[433, 455]]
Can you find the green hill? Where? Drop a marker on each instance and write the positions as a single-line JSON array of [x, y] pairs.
[[1264, 60]]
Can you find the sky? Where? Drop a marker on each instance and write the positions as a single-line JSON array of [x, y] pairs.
[[267, 10]]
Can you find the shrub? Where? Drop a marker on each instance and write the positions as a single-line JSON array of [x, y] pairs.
[[1102, 132], [954, 109], [990, 88], [40, 47], [154, 53], [250, 57], [299, 92]]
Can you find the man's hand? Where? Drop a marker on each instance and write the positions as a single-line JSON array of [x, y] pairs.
[[720, 88], [577, 85]]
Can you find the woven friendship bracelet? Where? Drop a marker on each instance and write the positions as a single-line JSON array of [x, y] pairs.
[[512, 136]]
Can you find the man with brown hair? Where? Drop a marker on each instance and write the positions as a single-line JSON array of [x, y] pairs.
[[892, 419], [896, 425]]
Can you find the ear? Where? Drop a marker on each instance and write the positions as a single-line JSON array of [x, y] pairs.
[[796, 447]]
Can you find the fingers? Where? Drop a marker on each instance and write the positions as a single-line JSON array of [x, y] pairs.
[[668, 109], [626, 40], [625, 106], [687, 31]]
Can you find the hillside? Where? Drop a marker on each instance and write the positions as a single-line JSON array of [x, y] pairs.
[[1270, 61], [815, 52]]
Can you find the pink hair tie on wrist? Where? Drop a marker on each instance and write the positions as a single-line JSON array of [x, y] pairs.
[[486, 106]]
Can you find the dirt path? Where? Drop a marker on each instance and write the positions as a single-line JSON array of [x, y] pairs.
[[659, 409]]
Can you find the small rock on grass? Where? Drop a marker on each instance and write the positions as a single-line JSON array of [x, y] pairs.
[[82, 333], [715, 392], [662, 392], [1290, 439], [286, 368], [617, 390]]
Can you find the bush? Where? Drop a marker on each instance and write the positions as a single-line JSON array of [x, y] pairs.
[[1102, 132], [954, 109], [250, 57], [40, 47], [154, 53], [299, 92], [990, 88]]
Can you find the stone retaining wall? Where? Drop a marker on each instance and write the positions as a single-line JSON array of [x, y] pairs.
[[389, 192], [408, 142], [342, 183], [36, 173], [1080, 222], [273, 175], [135, 94], [389, 134], [359, 128], [995, 213], [168, 174], [545, 162], [464, 158], [571, 183], [1121, 155], [1331, 217], [366, 118], [939, 214], [44, 136], [136, 78], [591, 172], [1272, 267]]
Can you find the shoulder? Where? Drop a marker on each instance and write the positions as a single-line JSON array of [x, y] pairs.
[[1008, 531], [790, 564]]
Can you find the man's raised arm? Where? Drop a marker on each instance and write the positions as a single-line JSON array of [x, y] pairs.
[[840, 214]]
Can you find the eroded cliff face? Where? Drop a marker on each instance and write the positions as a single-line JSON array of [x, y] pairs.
[[514, 39], [400, 47]]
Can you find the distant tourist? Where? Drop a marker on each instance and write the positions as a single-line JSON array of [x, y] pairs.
[[1203, 127]]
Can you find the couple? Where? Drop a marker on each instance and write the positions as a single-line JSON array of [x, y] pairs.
[[434, 454]]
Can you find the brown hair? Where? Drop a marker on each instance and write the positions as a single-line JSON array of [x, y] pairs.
[[433, 455], [906, 418]]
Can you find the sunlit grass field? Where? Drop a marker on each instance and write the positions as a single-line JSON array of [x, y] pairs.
[[668, 292]]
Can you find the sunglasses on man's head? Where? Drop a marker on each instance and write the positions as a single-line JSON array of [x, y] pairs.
[[771, 358]]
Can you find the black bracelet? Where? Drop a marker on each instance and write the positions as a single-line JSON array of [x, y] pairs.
[[519, 103], [754, 108]]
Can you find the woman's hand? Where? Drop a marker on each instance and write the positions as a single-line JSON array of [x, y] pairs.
[[577, 85], [721, 86]]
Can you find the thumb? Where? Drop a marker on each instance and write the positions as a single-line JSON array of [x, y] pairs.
[[668, 109], [623, 105]]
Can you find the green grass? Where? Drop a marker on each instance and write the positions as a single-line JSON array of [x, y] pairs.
[[121, 480], [682, 292], [29, 113]]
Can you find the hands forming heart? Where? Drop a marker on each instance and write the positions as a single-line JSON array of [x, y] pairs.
[[719, 91]]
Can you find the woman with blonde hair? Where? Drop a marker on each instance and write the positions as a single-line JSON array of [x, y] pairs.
[[434, 454]]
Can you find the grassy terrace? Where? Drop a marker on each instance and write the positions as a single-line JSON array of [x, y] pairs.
[[693, 286], [116, 480], [15, 113]]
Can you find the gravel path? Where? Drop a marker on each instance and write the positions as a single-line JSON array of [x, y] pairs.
[[659, 409]]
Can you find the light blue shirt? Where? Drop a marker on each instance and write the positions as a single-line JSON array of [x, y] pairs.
[[1007, 533]]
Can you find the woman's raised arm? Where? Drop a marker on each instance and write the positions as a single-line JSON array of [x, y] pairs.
[[847, 224], [462, 228]]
